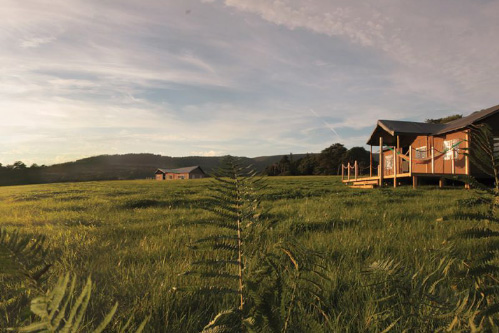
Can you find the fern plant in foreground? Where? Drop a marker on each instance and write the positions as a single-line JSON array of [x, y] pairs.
[[23, 268], [285, 285], [24, 262], [234, 194]]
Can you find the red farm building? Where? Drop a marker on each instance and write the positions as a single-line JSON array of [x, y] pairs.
[[194, 172], [414, 150]]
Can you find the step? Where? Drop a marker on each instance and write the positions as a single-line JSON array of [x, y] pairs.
[[362, 186], [365, 182]]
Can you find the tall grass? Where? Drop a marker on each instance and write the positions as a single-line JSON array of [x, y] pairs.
[[131, 237]]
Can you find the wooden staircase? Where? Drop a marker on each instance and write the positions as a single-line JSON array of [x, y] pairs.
[[360, 183]]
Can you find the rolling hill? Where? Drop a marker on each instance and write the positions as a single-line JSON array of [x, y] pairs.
[[115, 167]]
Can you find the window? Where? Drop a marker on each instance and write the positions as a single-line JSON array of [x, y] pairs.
[[181, 177], [389, 162], [170, 177], [421, 152], [449, 147]]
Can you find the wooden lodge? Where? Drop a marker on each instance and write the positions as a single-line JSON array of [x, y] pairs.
[[414, 150], [194, 172]]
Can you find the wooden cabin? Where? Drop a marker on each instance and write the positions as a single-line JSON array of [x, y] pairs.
[[414, 150], [194, 172]]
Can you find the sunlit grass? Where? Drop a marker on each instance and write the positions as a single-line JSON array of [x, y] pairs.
[[132, 236]]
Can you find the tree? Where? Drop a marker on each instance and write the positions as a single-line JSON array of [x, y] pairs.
[[444, 120], [331, 158], [307, 165], [19, 165], [358, 154]]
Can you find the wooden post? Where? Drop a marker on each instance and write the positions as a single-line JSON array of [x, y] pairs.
[[432, 158], [356, 165], [410, 160], [398, 151], [342, 172], [394, 166], [441, 182], [453, 163], [414, 182], [426, 155], [348, 171], [381, 169], [371, 162], [466, 159]]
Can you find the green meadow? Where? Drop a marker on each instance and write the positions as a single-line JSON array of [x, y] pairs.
[[133, 237]]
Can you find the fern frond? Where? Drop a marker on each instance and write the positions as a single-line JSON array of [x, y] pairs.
[[28, 254], [227, 321], [226, 246], [24, 262], [59, 311], [478, 233]]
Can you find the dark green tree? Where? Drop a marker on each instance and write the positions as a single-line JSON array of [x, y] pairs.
[[444, 120], [19, 165], [331, 158], [358, 154], [307, 165]]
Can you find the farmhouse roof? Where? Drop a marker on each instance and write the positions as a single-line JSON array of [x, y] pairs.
[[181, 170], [395, 127]]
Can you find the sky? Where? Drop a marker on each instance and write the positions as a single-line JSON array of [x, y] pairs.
[[80, 78]]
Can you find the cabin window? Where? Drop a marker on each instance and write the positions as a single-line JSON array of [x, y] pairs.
[[421, 152], [181, 177], [170, 177], [389, 162], [449, 147]]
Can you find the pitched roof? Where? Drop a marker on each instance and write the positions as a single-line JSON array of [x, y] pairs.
[[395, 127], [471, 119], [181, 170]]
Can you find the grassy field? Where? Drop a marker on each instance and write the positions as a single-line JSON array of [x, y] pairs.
[[132, 237]]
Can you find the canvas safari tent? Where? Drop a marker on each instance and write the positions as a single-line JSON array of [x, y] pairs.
[[414, 150]]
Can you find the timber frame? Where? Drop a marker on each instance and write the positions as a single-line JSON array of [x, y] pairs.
[[412, 150]]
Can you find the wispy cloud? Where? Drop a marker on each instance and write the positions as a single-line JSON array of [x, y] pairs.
[[36, 41], [239, 77]]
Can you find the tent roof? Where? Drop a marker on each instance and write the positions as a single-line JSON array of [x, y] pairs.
[[389, 129]]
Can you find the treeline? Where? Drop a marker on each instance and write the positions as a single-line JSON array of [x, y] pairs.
[[141, 166], [115, 167], [20, 173], [327, 162]]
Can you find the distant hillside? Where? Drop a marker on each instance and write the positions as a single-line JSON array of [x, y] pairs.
[[113, 167]]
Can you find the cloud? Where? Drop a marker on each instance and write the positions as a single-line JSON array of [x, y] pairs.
[[36, 41], [237, 77], [207, 153], [444, 51]]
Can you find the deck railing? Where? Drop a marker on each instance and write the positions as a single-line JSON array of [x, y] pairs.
[[352, 171], [402, 165]]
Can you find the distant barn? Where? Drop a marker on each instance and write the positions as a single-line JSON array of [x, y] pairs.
[[193, 172]]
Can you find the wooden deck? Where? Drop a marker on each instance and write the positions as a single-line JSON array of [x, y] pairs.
[[395, 162], [371, 182]]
